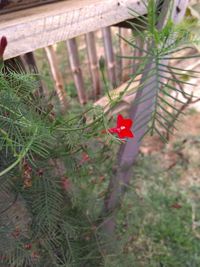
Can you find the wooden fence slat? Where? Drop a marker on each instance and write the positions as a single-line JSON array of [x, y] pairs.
[[76, 70], [30, 61], [125, 50], [93, 62], [137, 53], [37, 27], [59, 84], [127, 99], [109, 53]]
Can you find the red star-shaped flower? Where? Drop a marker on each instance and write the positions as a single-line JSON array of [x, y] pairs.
[[122, 128]]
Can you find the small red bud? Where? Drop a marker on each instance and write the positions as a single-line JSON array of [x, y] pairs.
[[3, 44]]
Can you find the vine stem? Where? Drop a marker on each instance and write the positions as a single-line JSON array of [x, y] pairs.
[[8, 140], [21, 155]]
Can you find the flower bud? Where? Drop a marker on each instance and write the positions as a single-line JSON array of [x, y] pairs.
[[102, 63], [3, 44]]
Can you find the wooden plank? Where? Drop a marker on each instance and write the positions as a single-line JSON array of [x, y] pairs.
[[57, 77], [126, 100], [30, 62], [14, 5], [125, 50], [138, 53], [76, 70], [109, 53], [93, 62], [42, 26]]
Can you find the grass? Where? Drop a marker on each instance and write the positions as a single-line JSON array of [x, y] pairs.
[[156, 220]]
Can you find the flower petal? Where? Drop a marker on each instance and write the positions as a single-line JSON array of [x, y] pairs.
[[127, 123], [125, 133], [120, 120], [123, 122]]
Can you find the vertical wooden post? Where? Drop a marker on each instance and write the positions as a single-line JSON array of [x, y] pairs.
[[30, 62], [107, 38], [76, 70], [119, 60], [59, 84], [125, 50], [137, 53], [93, 61]]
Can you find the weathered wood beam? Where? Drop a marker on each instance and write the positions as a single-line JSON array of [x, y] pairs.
[[76, 69], [38, 27], [57, 77], [13, 5], [93, 62], [137, 53], [126, 100], [125, 50], [30, 62], [109, 54], [126, 24]]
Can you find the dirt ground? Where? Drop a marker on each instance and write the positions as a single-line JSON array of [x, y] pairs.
[[183, 149]]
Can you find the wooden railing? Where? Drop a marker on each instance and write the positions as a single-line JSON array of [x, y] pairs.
[[45, 25], [7, 6], [30, 29]]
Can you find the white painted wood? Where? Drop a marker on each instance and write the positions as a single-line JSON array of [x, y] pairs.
[[30, 29]]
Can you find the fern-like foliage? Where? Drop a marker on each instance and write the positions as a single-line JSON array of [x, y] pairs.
[[28, 129], [41, 223], [25, 128], [163, 80]]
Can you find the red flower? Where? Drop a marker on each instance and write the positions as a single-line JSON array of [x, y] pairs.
[[123, 128], [3, 44]]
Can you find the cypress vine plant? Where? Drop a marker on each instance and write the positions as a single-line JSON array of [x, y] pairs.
[[42, 220], [153, 110], [51, 210]]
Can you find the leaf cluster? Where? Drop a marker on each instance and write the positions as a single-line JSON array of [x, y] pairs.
[[161, 83]]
